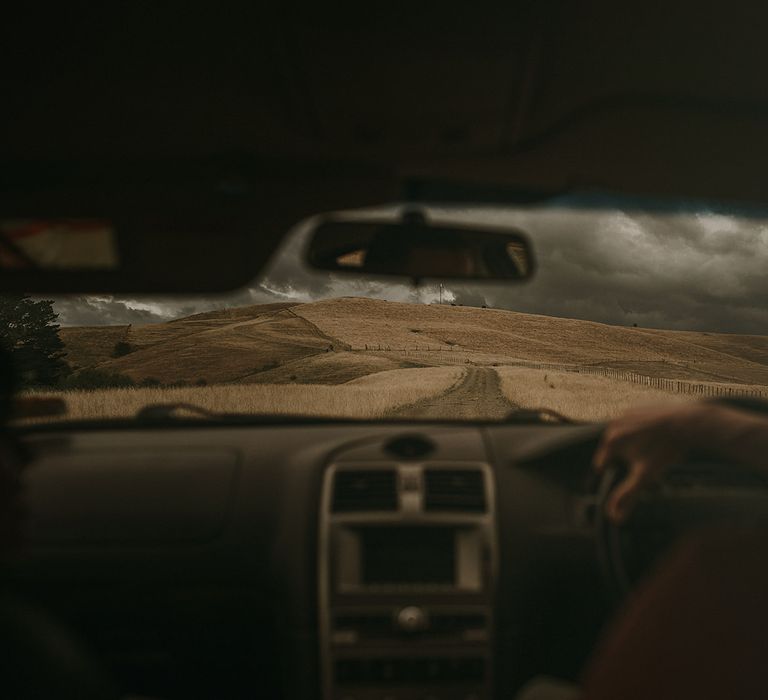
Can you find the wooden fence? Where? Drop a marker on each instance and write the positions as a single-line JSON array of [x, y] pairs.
[[676, 386]]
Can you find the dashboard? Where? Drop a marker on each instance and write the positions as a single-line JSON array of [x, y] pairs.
[[407, 572], [348, 561]]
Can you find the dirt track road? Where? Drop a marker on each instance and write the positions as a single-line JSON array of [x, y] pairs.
[[478, 396]]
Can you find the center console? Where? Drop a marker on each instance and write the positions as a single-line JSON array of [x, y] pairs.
[[407, 562]]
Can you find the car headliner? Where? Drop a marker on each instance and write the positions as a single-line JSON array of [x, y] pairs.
[[355, 104]]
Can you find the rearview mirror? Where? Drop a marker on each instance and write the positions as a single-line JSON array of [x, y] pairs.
[[413, 247]]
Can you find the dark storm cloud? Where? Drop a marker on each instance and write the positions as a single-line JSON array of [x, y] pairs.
[[695, 272], [686, 272], [98, 311], [106, 310]]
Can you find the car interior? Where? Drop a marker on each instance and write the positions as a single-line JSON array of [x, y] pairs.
[[303, 557]]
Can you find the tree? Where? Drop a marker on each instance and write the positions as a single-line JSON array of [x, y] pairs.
[[30, 334]]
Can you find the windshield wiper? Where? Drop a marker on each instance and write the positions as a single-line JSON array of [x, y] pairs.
[[159, 412], [171, 412], [536, 415], [181, 412]]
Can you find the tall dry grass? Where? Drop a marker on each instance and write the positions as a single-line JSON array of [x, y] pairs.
[[578, 396], [372, 396]]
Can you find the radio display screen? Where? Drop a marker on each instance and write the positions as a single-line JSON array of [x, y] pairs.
[[408, 555]]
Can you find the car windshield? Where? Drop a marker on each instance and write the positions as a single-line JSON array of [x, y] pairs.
[[627, 307]]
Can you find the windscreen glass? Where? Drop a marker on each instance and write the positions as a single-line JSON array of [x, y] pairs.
[[628, 306]]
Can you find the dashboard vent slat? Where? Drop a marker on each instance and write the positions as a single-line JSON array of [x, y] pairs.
[[365, 490], [454, 490]]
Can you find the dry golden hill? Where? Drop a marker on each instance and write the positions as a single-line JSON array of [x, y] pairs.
[[337, 340], [328, 368], [517, 336], [88, 346]]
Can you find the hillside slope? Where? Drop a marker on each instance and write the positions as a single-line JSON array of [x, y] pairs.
[[518, 336], [338, 340]]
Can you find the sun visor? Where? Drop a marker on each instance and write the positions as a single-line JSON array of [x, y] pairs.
[[171, 227]]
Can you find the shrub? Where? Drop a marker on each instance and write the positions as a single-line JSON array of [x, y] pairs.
[[201, 382], [91, 378], [150, 382], [122, 348]]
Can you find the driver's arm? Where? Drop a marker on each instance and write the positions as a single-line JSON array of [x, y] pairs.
[[649, 440]]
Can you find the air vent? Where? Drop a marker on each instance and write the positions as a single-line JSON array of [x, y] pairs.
[[454, 490], [362, 490]]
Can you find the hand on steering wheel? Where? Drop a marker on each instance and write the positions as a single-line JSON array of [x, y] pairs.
[[648, 441]]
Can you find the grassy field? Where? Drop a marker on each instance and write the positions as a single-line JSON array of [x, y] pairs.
[[371, 396], [283, 343], [366, 357], [577, 396], [517, 336], [330, 368], [231, 350]]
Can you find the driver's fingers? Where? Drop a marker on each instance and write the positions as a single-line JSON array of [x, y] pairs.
[[622, 498], [602, 456], [608, 450]]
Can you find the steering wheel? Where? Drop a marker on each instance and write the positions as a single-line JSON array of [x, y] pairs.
[[691, 496]]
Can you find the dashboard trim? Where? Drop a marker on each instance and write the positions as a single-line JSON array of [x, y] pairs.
[[474, 591]]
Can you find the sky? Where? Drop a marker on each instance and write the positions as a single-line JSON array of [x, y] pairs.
[[693, 271]]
